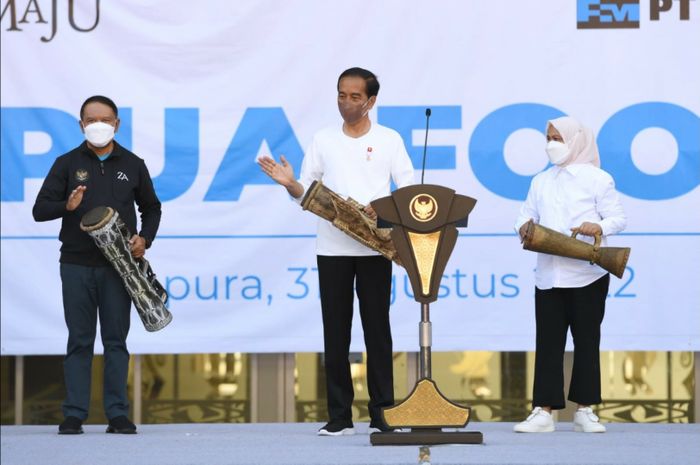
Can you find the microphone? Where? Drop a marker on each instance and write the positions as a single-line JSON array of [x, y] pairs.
[[425, 145]]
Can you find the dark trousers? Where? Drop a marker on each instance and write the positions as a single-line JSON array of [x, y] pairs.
[[372, 279], [85, 290], [558, 309]]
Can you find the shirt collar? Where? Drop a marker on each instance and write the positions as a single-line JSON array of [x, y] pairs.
[[571, 169], [116, 150]]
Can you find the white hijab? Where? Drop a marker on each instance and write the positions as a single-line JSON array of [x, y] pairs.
[[581, 141]]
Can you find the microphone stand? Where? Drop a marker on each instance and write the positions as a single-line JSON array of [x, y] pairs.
[[425, 328], [425, 144]]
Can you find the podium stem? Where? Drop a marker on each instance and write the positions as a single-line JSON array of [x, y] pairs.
[[425, 336]]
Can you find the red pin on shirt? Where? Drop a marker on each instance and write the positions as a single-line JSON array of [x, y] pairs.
[[369, 153]]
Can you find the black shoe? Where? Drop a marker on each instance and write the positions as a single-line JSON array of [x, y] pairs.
[[121, 425], [337, 428], [71, 425], [379, 427]]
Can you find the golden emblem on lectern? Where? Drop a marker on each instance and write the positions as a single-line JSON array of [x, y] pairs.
[[423, 207]]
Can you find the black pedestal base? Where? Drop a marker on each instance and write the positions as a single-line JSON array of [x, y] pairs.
[[423, 437]]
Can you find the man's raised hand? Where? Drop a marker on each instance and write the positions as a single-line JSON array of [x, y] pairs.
[[75, 198], [282, 172]]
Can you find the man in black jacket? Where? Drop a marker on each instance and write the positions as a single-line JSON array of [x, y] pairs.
[[99, 172]]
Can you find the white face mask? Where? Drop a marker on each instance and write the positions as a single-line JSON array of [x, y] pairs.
[[99, 134], [558, 152]]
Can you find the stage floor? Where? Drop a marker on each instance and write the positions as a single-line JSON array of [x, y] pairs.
[[297, 443]]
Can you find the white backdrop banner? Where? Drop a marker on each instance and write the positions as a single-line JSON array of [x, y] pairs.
[[205, 88]]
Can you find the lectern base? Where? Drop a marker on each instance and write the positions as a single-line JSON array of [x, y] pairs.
[[420, 437]]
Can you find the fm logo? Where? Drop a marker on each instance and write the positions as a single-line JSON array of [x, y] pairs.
[[607, 14], [270, 125], [623, 14]]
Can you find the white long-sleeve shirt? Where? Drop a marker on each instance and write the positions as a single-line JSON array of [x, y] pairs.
[[561, 199], [361, 168]]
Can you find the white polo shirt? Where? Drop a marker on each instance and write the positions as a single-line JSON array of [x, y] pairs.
[[361, 168], [561, 199]]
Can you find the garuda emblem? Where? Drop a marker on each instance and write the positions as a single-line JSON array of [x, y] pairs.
[[423, 208]]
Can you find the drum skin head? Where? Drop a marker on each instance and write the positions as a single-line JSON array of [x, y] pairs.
[[95, 217]]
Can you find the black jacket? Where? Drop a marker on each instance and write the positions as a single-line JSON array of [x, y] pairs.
[[118, 182]]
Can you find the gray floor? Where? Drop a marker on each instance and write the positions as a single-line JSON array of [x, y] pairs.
[[296, 443]]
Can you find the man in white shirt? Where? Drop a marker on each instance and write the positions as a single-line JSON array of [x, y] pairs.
[[574, 195], [358, 159]]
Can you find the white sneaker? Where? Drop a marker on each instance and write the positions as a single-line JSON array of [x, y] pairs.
[[585, 421], [539, 421]]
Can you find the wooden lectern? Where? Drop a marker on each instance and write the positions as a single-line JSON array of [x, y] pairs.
[[424, 220]]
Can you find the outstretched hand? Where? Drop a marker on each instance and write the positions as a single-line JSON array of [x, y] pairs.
[[75, 198], [282, 172]]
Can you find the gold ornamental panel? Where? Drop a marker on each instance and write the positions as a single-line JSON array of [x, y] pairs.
[[426, 408], [424, 250]]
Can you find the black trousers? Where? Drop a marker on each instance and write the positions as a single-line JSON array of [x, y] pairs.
[[85, 291], [372, 278], [558, 309]]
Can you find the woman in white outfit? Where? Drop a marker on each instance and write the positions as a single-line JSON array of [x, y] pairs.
[[573, 195]]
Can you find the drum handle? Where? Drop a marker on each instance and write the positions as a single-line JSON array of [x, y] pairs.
[[597, 237], [596, 246]]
